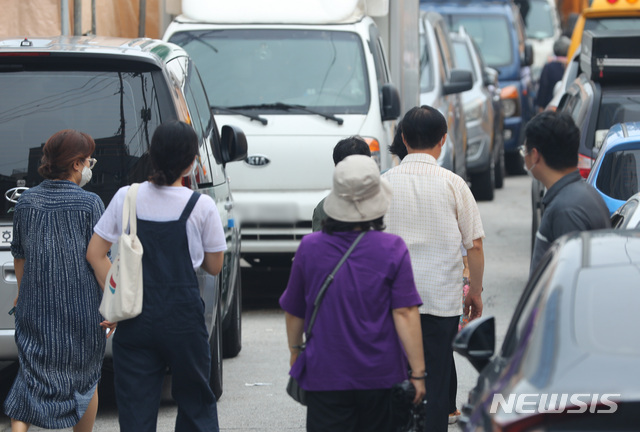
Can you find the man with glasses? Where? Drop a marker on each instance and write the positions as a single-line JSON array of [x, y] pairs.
[[550, 155]]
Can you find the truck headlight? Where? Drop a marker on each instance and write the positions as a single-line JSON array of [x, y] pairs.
[[510, 101]]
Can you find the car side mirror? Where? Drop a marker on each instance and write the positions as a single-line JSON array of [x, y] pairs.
[[477, 342], [460, 81], [390, 102], [490, 77], [233, 144], [528, 54]]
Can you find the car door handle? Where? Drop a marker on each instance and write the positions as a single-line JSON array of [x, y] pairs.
[[9, 274]]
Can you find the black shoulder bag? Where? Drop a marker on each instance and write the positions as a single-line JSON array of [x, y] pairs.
[[293, 389]]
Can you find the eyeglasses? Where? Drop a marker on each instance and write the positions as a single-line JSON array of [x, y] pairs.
[[92, 162], [523, 150]]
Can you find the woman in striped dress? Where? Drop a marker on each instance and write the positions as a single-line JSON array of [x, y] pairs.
[[58, 327]]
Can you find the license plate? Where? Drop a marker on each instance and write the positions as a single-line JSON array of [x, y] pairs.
[[6, 235]]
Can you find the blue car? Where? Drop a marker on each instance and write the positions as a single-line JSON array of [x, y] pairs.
[[615, 171], [497, 28]]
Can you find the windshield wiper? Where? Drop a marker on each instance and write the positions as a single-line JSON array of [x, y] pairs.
[[288, 107], [255, 117], [184, 38]]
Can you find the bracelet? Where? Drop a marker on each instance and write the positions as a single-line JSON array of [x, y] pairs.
[[418, 377]]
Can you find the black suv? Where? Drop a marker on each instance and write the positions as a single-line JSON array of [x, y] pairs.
[[118, 91], [602, 95]]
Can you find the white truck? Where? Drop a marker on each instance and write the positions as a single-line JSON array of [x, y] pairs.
[[297, 77]]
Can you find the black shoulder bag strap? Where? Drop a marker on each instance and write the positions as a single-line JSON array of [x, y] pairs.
[[325, 285]]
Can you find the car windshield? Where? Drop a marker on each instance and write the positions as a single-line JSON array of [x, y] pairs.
[[491, 33], [618, 175], [539, 23], [632, 23], [118, 109], [255, 68], [618, 106]]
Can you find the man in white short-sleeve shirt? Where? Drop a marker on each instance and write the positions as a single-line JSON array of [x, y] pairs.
[[434, 212]]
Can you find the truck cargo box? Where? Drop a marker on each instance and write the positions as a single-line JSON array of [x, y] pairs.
[[611, 55]]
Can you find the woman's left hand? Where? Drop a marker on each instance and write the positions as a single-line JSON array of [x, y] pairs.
[[111, 326]]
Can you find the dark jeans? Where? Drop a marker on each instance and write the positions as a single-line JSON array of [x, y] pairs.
[[437, 337], [453, 387], [349, 411]]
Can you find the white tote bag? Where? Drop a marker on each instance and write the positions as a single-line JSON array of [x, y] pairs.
[[122, 298]]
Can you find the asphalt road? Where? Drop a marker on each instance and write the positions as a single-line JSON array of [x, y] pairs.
[[254, 396]]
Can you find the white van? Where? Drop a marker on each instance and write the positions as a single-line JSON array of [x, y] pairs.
[[297, 77]]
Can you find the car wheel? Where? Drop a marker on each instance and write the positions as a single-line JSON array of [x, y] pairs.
[[500, 170], [514, 163], [232, 336], [483, 184], [215, 345]]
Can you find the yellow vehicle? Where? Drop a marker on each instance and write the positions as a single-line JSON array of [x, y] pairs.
[[605, 15]]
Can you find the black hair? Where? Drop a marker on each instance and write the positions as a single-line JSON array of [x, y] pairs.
[[423, 127], [330, 225], [174, 146], [557, 138], [397, 146], [350, 146]]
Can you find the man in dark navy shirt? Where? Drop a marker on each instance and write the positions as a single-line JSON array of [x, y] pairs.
[[551, 155]]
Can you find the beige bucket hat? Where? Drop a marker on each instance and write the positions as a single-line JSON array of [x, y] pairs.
[[359, 194]]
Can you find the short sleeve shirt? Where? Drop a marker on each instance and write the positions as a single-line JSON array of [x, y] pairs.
[[165, 203], [434, 211], [570, 204], [354, 343]]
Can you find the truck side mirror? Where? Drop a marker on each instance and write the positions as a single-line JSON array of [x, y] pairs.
[[233, 144], [390, 102], [460, 81], [528, 54], [477, 342]]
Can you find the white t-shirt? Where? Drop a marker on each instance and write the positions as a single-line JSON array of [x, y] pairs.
[[164, 204]]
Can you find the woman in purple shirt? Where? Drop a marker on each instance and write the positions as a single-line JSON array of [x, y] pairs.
[[367, 332]]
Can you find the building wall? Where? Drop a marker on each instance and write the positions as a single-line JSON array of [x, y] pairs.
[[31, 18]]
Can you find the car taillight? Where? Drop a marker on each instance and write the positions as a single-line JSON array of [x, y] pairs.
[[584, 165]]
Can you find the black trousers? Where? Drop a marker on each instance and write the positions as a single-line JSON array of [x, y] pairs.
[[349, 411], [437, 337]]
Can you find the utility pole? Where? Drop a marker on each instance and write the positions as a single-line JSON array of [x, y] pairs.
[[64, 17], [142, 18], [77, 17], [93, 17]]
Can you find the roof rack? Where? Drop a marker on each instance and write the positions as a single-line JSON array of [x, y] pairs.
[[608, 55]]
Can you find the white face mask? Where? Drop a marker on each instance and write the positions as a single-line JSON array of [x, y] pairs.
[[528, 170], [86, 176]]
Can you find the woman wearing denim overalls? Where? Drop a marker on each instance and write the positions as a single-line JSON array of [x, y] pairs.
[[180, 230]]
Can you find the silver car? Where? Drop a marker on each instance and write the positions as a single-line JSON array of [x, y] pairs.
[[118, 91], [484, 120]]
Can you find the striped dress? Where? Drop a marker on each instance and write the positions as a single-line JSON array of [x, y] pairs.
[[60, 342]]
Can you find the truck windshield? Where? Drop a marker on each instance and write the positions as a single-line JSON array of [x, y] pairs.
[[491, 33], [540, 19], [258, 68], [631, 23], [119, 110]]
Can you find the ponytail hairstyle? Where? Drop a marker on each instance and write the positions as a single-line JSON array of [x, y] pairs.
[[62, 150], [174, 147]]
